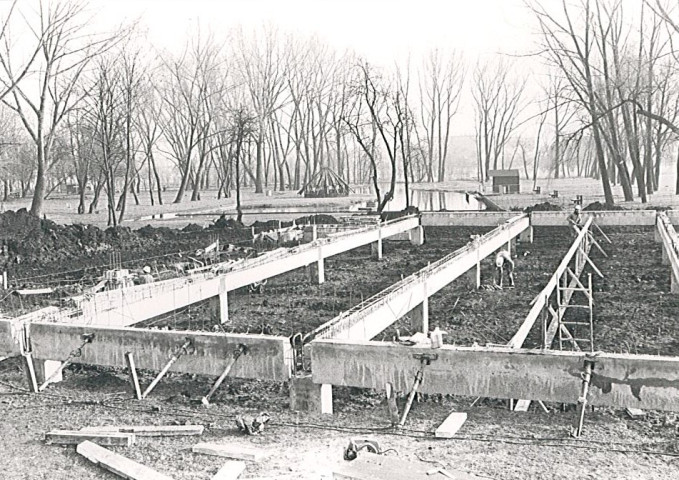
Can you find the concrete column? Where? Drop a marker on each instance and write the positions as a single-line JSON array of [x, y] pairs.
[[310, 397], [419, 317], [416, 235], [44, 370], [314, 232], [674, 285], [219, 305], [665, 256], [526, 236], [317, 272], [478, 275], [376, 249]]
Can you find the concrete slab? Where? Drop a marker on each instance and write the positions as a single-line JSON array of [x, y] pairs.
[[268, 357], [231, 470], [9, 339], [640, 381]]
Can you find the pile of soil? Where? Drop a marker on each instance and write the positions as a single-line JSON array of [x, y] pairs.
[[543, 207], [31, 246], [318, 219], [598, 206]]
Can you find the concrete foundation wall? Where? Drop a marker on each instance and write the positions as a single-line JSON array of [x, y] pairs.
[[603, 218], [640, 381], [9, 341], [466, 219], [268, 357]]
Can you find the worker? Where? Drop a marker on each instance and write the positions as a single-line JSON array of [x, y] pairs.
[[504, 262], [146, 276], [575, 218]]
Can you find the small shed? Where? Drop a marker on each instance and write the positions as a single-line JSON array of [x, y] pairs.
[[505, 181]]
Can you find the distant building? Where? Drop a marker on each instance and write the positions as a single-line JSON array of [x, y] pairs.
[[505, 181]]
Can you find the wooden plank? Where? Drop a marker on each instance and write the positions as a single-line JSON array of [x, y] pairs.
[[239, 452], [150, 430], [121, 466], [522, 405], [641, 381], [74, 437], [451, 425], [369, 466], [268, 357], [231, 470]]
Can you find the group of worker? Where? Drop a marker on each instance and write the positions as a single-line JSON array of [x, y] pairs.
[[503, 260]]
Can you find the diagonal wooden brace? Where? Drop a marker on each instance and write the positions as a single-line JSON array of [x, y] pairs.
[[240, 350], [591, 264], [596, 244], [181, 351]]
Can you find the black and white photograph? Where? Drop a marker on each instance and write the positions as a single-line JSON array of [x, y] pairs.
[[339, 239]]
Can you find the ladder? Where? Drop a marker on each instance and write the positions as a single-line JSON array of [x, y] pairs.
[[579, 331]]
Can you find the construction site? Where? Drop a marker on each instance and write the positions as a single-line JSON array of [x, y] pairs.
[[350, 346]]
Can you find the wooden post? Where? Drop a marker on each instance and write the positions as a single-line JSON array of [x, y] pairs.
[[134, 379], [30, 372]]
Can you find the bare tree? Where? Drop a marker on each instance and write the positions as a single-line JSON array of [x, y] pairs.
[[441, 81], [498, 102], [65, 52]]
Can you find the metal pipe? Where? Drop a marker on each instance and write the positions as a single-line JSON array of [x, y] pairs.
[[165, 369]]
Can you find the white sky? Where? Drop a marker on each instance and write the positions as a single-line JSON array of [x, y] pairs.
[[381, 30]]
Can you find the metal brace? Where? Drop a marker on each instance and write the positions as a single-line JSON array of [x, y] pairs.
[[76, 353], [425, 359], [184, 349], [241, 349], [586, 375]]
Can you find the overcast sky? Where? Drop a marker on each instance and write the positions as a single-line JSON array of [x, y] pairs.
[[382, 30]]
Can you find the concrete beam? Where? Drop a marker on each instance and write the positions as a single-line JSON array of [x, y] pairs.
[[601, 218], [466, 219], [142, 302], [267, 358], [670, 252], [377, 313], [639, 381]]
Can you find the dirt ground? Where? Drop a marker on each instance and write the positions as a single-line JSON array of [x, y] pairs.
[[633, 313]]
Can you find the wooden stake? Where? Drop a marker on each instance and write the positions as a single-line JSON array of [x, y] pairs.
[[134, 379]]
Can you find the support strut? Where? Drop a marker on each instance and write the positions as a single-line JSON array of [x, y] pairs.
[[181, 351], [582, 400], [425, 359], [240, 350], [87, 338]]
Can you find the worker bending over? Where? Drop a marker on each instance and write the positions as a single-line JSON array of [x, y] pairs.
[[504, 262], [575, 218]]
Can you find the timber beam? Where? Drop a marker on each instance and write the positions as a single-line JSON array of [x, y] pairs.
[[621, 381]]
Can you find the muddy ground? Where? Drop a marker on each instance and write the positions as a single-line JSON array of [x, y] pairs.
[[633, 313]]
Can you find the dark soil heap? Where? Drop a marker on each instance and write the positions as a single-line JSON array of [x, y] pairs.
[[598, 207], [543, 207]]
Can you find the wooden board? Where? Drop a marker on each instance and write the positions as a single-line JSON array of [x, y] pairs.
[[74, 437], [121, 466], [231, 470], [451, 425], [239, 452], [268, 357], [641, 381], [150, 430], [369, 466]]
